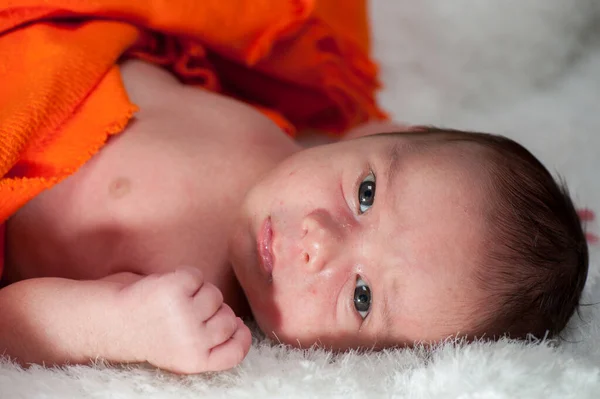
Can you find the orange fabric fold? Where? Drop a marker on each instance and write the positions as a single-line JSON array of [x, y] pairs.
[[304, 63]]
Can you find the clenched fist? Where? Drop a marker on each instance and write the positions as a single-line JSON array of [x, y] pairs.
[[182, 325]]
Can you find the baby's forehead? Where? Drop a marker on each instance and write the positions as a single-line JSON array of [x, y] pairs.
[[437, 179], [437, 150], [459, 165], [427, 142]]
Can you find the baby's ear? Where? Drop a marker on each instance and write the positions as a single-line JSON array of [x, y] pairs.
[[375, 127]]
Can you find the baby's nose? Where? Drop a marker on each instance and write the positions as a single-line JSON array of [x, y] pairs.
[[322, 238]]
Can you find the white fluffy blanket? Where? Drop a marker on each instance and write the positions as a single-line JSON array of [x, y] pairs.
[[527, 69]]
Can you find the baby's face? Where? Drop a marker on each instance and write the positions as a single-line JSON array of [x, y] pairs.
[[369, 242]]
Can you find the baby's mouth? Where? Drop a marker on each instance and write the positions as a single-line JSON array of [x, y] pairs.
[[264, 244]]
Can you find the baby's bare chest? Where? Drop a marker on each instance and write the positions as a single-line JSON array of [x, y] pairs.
[[160, 195]]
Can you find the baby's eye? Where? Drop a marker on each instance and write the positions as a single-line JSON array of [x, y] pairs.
[[366, 193], [362, 298]]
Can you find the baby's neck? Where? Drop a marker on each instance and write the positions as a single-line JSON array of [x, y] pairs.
[[234, 297]]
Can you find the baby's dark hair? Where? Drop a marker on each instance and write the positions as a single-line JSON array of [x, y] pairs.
[[536, 263]]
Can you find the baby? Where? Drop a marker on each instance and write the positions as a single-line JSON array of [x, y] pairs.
[[202, 211]]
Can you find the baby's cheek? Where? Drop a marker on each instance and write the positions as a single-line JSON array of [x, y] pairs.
[[301, 319]]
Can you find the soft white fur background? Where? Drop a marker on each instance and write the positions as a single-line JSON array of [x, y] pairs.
[[529, 69]]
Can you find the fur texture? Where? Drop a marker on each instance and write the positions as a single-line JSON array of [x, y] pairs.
[[528, 70]]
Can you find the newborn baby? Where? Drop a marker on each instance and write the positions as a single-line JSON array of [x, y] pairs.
[[203, 211]]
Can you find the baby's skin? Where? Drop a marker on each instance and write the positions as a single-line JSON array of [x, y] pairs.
[[203, 211]]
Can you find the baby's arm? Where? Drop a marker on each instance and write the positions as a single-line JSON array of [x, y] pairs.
[[173, 321], [58, 321]]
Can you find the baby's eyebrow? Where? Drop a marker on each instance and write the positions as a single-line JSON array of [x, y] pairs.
[[385, 315], [390, 301], [393, 156]]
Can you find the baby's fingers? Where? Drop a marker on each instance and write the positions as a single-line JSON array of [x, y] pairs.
[[221, 327], [231, 352], [207, 301], [591, 238]]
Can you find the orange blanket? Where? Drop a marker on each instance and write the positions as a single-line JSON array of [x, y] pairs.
[[303, 62]]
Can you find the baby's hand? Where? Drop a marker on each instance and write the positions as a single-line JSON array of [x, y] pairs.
[[587, 215], [183, 325]]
